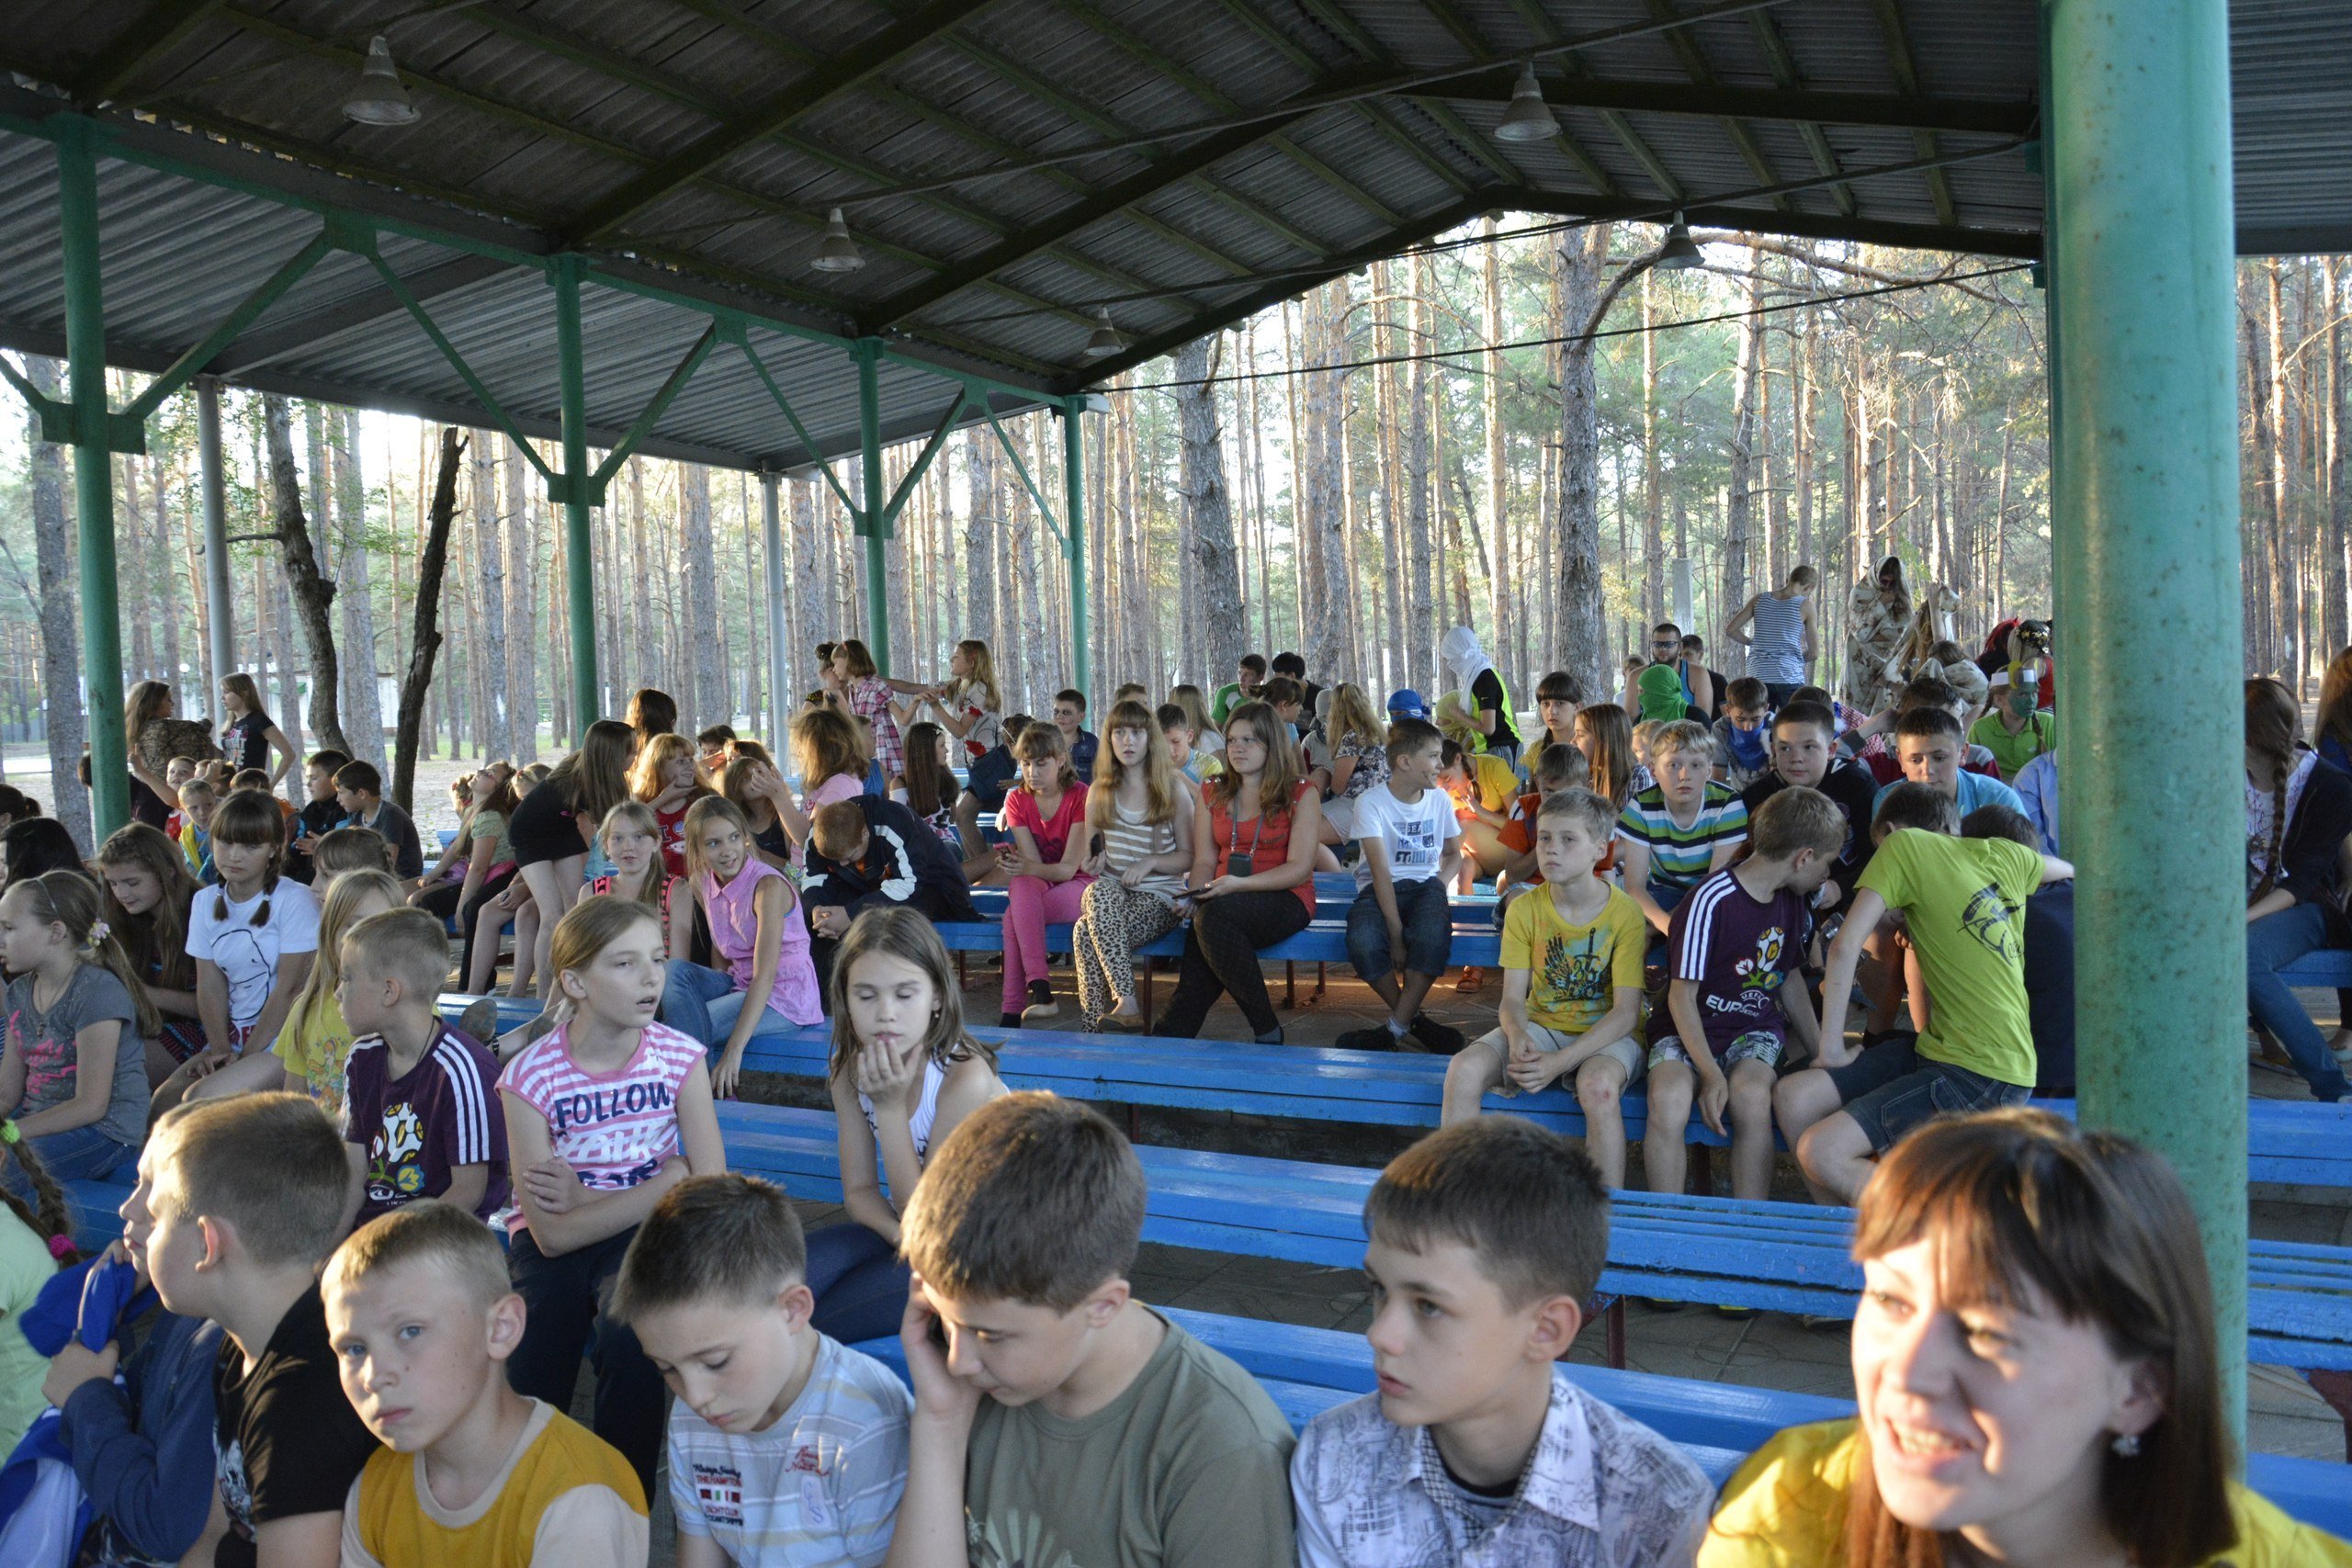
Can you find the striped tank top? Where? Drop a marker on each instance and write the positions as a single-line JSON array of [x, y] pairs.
[[1129, 838], [1776, 646]]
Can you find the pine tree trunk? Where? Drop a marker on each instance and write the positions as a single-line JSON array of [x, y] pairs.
[[1583, 642], [61, 642], [1653, 500], [2278, 551], [1323, 510], [1419, 645], [314, 595], [167, 612], [522, 606], [1747, 358], [366, 708], [425, 643], [1510, 629], [704, 697], [2339, 484], [1213, 567], [489, 573]]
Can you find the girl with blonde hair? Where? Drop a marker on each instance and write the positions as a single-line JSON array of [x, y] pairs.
[[1141, 814]]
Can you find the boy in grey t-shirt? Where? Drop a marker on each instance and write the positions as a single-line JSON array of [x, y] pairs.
[[1057, 1418]]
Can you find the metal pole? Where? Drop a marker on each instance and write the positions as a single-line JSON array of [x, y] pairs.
[[580, 567], [2148, 536], [872, 499], [219, 611], [1074, 535], [772, 536], [85, 359]]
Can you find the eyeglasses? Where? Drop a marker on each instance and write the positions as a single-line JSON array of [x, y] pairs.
[[1665, 647]]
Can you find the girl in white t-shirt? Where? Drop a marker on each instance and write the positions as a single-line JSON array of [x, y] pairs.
[[253, 937], [904, 1073]]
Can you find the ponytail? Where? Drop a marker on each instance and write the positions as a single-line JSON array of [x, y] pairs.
[[46, 1216]]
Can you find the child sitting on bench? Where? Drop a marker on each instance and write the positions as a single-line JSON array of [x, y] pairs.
[[1486, 1240], [1401, 918]]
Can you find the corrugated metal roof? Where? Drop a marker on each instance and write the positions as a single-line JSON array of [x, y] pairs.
[[690, 151]]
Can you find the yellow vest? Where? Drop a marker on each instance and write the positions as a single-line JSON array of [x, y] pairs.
[[1786, 1508], [498, 1531]]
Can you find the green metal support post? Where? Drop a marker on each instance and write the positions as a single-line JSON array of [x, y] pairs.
[[874, 501], [85, 359], [2146, 532], [580, 581], [1074, 535]]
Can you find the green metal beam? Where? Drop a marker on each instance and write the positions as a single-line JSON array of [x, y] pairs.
[[183, 370], [1074, 543], [157, 28], [253, 349], [86, 356], [807, 442], [821, 86], [1028, 480], [921, 464], [579, 562], [873, 524], [2146, 528], [651, 415], [440, 340]]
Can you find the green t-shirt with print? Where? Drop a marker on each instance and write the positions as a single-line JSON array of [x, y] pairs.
[[1962, 901]]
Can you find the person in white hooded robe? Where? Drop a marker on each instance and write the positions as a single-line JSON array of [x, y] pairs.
[[1484, 698]]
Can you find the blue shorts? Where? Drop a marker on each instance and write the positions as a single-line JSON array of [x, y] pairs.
[[1427, 916], [1891, 1089]]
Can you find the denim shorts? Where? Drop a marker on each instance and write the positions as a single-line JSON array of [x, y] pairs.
[[1891, 1089], [1427, 920], [1755, 1046]]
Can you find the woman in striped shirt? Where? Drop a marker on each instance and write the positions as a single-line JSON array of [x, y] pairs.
[[1141, 814]]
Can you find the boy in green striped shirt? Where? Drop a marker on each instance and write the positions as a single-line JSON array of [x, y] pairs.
[[1681, 829]]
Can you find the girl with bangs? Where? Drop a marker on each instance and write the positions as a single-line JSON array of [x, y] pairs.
[[2298, 813], [552, 828], [1605, 736], [904, 1066], [2037, 1375], [1141, 814], [1044, 868], [148, 897], [760, 792], [826, 750], [1255, 830], [72, 1075], [253, 937], [250, 735], [757, 930], [666, 777]]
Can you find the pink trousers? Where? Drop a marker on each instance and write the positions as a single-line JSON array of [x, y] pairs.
[[1031, 904]]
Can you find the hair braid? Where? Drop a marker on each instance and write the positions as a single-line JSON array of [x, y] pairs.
[[47, 1217]]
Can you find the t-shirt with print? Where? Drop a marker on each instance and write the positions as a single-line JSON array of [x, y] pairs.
[[1189, 1464], [1372, 765], [564, 1496], [1960, 900], [1414, 833], [420, 1126], [987, 731], [1738, 948], [1574, 970], [52, 1061], [245, 947], [1052, 833], [820, 1486], [1681, 856], [287, 1441], [616, 1129], [314, 1043]]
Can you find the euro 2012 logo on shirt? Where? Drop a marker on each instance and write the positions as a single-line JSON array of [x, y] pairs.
[[1762, 968]]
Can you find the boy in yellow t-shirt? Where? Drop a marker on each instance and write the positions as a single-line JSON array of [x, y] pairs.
[[421, 1320], [1572, 984]]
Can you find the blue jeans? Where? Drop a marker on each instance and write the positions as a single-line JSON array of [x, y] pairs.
[[859, 1282], [2271, 943], [704, 1002], [83, 1154], [1427, 921]]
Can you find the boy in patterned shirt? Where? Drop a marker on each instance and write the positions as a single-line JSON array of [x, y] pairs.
[[1680, 829], [423, 1322], [1485, 1239], [787, 1449], [1572, 985], [1734, 942]]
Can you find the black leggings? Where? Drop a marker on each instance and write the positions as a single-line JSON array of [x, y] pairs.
[[442, 900], [1221, 948], [567, 1300]]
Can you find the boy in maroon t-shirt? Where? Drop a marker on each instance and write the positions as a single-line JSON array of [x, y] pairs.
[[424, 1115], [1734, 942]]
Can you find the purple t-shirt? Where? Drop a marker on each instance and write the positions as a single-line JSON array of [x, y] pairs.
[[1739, 948], [416, 1129]]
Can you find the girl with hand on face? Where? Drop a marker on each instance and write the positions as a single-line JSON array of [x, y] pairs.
[[665, 777], [904, 1073], [1142, 815], [756, 930], [2035, 1364], [149, 895]]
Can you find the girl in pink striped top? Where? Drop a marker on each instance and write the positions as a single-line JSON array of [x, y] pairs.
[[605, 1114], [756, 930]]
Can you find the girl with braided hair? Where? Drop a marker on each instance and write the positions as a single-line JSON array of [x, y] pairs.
[[35, 1240], [2298, 811], [74, 1072]]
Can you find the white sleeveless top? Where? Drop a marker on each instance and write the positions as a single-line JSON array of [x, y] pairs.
[[919, 1122]]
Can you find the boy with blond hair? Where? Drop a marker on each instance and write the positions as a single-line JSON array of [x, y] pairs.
[[1572, 985], [422, 1321], [422, 1105], [1058, 1419], [1683, 828], [1483, 1242], [786, 1447], [238, 1202]]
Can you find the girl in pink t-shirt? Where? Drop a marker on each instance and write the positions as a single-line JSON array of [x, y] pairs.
[[756, 930], [1045, 814], [605, 1115]]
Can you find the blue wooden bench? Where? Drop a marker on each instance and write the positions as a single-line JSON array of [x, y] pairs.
[[1309, 1370]]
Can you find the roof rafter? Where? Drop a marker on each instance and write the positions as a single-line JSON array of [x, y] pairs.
[[1702, 74], [821, 85], [265, 346], [1467, 34], [1785, 74], [159, 26], [1539, 21], [1907, 78], [1792, 103]]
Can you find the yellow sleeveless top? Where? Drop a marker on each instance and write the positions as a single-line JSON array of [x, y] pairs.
[[1786, 1508], [566, 1495]]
